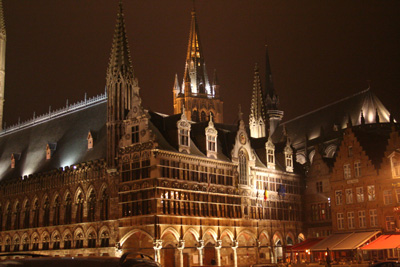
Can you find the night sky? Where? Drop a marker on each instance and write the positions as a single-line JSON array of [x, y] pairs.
[[320, 51]]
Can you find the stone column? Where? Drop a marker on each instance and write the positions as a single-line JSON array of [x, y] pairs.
[[218, 247], [157, 245], [235, 245], [200, 248], [258, 244], [180, 248]]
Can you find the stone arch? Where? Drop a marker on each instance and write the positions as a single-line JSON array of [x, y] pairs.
[[45, 196], [91, 230], [211, 232], [226, 238], [134, 231], [24, 236], [78, 231], [278, 242], [264, 238], [66, 193], [66, 232], [103, 187], [228, 233], [14, 206], [290, 236], [249, 238], [24, 202], [89, 191], [103, 229], [44, 235], [277, 236], [193, 232], [77, 193], [54, 235], [35, 235], [171, 230], [53, 199]]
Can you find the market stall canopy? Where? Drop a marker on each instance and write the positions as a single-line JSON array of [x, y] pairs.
[[344, 241], [306, 244], [384, 242]]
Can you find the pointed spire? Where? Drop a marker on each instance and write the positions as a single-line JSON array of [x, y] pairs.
[[349, 121], [120, 59], [195, 68], [362, 119], [257, 109], [177, 89], [272, 99], [377, 119]]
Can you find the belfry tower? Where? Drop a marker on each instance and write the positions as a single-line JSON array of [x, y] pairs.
[[121, 88], [196, 94], [2, 61], [272, 100]]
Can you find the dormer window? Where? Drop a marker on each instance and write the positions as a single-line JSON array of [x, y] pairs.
[[183, 126], [184, 137], [288, 157], [270, 150], [211, 134], [12, 161], [135, 134], [90, 140]]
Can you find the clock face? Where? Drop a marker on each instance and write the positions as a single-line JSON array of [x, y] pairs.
[[242, 139]]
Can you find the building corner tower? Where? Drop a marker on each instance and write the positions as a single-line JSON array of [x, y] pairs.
[[2, 61], [196, 94], [121, 87]]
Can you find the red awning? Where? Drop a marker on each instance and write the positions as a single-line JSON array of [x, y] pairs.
[[384, 242], [306, 244]]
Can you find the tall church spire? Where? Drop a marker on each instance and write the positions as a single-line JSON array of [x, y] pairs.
[[2, 61], [195, 67], [196, 92], [271, 99], [121, 85], [257, 110]]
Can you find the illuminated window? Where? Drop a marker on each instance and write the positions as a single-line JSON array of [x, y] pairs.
[[371, 192], [373, 217], [243, 168], [270, 156], [346, 171], [357, 169], [340, 220], [135, 134], [211, 134], [362, 222], [349, 196], [387, 197], [360, 194], [90, 140], [350, 219], [211, 140], [184, 137], [338, 197]]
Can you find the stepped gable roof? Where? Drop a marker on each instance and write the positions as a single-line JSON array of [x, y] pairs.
[[336, 113], [69, 131], [374, 139]]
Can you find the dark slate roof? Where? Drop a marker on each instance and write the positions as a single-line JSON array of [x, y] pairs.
[[337, 113], [67, 133]]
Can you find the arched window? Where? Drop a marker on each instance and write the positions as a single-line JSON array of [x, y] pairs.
[[25, 244], [46, 243], [105, 239], [56, 216], [67, 241], [35, 243], [92, 206], [195, 116], [27, 214], [56, 242], [104, 205], [79, 241], [203, 116], [7, 247], [17, 222], [91, 240], [46, 214], [68, 209], [243, 168], [16, 244], [79, 208], [36, 213]]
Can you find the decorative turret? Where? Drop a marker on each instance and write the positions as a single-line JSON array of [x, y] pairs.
[[2, 61], [196, 92], [257, 110], [121, 86], [272, 99]]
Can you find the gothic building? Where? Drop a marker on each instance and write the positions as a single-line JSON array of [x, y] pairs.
[[104, 175]]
